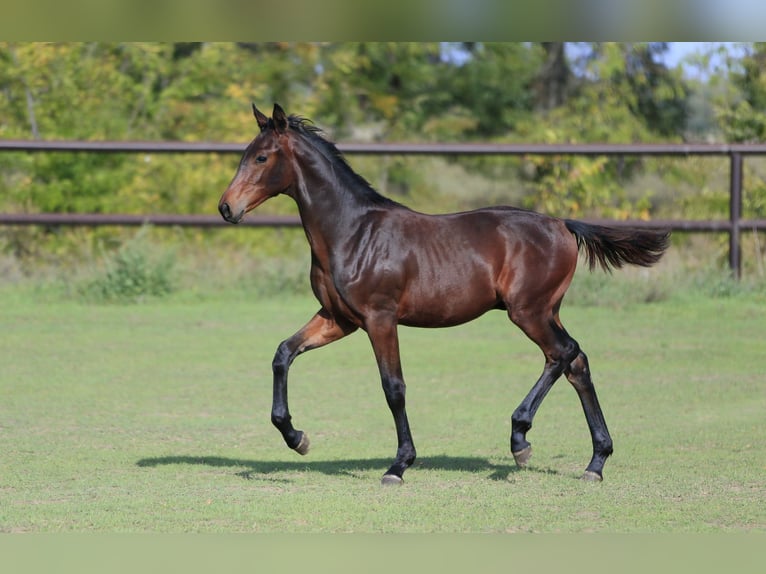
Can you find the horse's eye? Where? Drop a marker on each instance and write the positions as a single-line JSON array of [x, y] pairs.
[[260, 159]]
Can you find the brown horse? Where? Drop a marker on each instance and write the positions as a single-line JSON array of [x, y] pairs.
[[375, 264]]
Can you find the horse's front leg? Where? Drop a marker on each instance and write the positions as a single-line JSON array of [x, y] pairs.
[[319, 331], [385, 344]]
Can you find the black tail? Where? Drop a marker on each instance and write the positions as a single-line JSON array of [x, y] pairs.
[[614, 246]]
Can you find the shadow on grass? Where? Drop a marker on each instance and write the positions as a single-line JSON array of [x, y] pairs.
[[255, 469]]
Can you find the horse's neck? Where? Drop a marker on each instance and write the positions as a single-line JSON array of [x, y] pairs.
[[330, 207]]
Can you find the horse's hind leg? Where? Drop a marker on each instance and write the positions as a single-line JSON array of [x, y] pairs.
[[319, 331], [562, 355], [559, 350], [578, 373]]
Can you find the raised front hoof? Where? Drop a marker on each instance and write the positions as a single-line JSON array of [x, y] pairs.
[[590, 476], [522, 456], [391, 479], [303, 445]]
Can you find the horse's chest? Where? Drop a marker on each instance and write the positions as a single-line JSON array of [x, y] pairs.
[[328, 294]]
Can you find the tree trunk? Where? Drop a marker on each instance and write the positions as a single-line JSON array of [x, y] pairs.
[[552, 84]]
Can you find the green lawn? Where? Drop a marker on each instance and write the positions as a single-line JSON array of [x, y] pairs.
[[155, 418]]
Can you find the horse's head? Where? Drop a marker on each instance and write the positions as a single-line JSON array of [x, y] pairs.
[[264, 170]]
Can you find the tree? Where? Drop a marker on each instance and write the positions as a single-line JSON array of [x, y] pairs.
[[554, 78], [426, 90], [493, 86], [742, 112], [620, 93]]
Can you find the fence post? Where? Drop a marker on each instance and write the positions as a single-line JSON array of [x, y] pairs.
[[735, 214]]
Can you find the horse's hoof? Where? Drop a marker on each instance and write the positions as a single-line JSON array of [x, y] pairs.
[[391, 479], [303, 446], [590, 476], [522, 456]]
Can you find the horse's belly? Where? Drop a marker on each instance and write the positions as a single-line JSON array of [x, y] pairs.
[[446, 303]]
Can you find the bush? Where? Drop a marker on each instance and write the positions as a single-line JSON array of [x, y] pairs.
[[132, 274]]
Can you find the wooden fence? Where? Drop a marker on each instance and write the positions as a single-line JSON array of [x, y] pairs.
[[734, 225]]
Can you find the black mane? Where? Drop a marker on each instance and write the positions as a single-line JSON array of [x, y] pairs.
[[315, 137]]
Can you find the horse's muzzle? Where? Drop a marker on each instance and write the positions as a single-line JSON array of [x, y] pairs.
[[227, 214]]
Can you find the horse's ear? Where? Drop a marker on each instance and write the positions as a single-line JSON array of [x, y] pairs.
[[262, 120], [279, 117]]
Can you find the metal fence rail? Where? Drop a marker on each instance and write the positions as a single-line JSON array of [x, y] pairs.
[[380, 148], [167, 220], [733, 226]]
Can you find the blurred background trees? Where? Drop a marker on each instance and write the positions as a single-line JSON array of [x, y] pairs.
[[550, 92]]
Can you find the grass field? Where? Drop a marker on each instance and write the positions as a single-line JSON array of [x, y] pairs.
[[155, 418]]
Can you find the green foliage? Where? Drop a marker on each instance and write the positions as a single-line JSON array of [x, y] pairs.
[[718, 283], [743, 123], [612, 93], [626, 287], [132, 274], [609, 104], [741, 107], [492, 87]]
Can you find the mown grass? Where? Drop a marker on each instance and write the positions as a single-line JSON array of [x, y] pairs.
[[155, 418]]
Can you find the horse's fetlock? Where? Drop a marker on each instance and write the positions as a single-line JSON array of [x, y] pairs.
[[521, 421], [409, 455], [279, 420]]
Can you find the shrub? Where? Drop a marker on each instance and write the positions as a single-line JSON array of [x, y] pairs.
[[132, 274]]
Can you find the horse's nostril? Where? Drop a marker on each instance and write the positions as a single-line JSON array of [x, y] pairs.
[[225, 210]]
